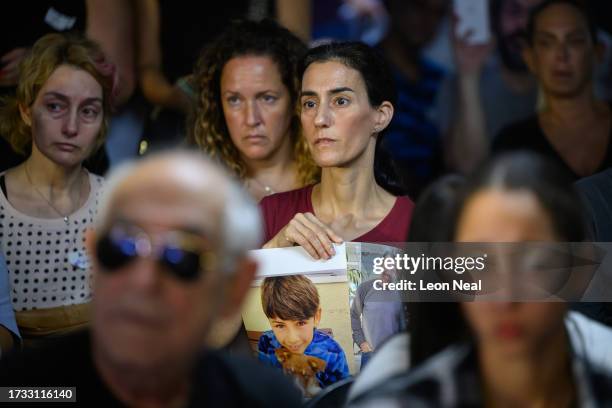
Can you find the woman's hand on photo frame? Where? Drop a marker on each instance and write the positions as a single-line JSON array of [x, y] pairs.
[[306, 230]]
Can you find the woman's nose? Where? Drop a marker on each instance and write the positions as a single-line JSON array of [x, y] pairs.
[[253, 115], [71, 124], [323, 117]]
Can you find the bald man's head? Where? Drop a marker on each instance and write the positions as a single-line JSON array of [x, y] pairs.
[[225, 208], [169, 257], [177, 172]]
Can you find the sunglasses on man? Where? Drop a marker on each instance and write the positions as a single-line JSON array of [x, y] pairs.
[[178, 252]]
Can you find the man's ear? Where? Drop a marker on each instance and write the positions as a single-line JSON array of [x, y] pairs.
[[384, 114], [529, 58], [238, 285], [26, 115]]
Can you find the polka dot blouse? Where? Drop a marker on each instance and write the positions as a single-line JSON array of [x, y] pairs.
[[46, 258]]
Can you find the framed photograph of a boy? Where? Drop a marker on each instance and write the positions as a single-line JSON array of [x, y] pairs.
[[302, 328]]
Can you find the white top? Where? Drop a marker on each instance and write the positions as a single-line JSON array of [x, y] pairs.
[[46, 258], [590, 340]]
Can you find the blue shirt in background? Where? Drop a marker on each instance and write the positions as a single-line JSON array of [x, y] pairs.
[[413, 138]]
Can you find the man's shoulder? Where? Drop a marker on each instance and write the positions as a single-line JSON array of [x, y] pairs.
[[60, 362], [65, 362], [245, 381], [367, 285]]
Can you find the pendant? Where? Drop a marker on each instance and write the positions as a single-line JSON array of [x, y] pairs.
[[78, 259], [66, 220]]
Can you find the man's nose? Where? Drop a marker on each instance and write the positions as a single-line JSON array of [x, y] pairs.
[[145, 274]]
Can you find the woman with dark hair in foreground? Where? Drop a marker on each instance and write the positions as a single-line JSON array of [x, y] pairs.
[[505, 353]]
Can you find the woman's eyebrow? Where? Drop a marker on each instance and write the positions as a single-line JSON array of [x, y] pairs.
[[331, 91], [63, 97], [307, 93], [57, 95], [341, 89], [92, 100]]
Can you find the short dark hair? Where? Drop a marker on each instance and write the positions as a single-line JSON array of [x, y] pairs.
[[292, 297], [577, 4]]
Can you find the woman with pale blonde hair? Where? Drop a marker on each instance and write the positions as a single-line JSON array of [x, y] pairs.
[[59, 116]]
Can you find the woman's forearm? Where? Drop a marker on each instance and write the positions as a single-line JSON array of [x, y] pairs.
[[469, 143]]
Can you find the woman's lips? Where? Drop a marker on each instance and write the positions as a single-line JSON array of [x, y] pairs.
[[509, 331], [562, 74], [66, 147], [256, 139], [324, 141]]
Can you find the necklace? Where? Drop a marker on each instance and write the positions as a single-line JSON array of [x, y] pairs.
[[267, 189], [64, 216]]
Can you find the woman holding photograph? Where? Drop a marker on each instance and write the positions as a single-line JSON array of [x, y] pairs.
[[346, 103]]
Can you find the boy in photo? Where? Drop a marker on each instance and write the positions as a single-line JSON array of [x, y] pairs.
[[292, 306]]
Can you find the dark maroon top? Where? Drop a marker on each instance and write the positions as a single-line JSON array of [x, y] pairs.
[[279, 209]]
